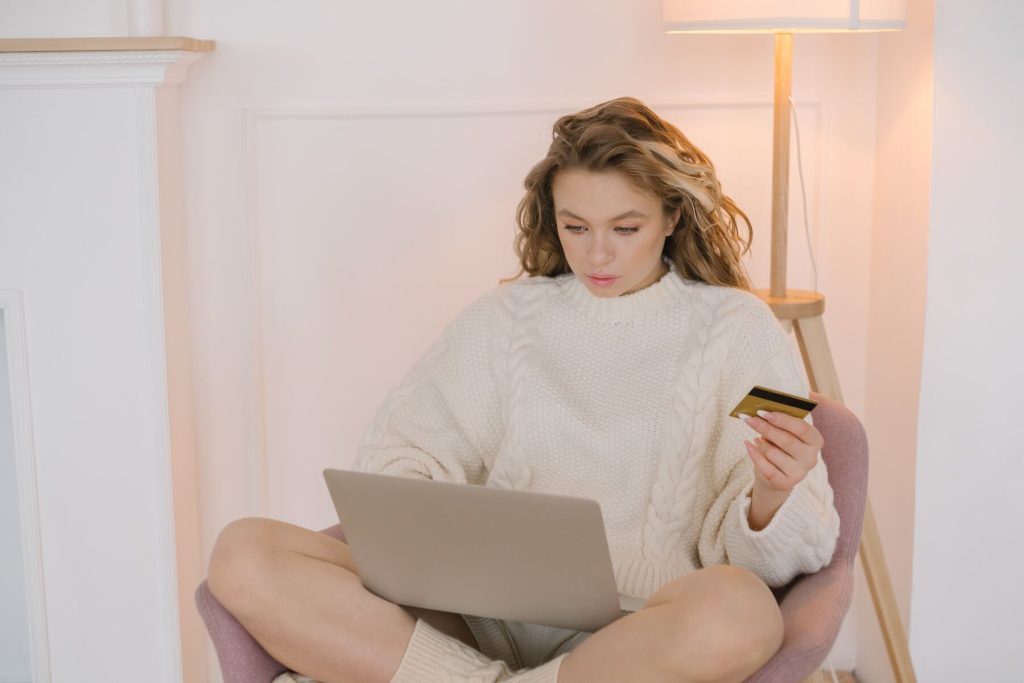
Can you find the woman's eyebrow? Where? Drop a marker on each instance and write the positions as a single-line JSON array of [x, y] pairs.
[[632, 213]]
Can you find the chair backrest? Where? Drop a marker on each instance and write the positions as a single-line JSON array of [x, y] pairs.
[[846, 458], [813, 605]]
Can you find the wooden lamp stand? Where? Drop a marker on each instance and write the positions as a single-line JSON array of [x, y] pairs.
[[802, 311]]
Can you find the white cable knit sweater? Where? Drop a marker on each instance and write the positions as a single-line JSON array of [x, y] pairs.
[[541, 385]]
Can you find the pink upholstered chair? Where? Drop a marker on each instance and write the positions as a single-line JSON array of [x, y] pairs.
[[813, 605]]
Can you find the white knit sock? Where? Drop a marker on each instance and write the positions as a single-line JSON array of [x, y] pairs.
[[433, 655], [292, 677]]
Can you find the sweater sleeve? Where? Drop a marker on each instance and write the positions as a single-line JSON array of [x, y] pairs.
[[801, 536], [443, 419]]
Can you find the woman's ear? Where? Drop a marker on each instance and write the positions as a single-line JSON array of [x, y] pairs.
[[673, 221]]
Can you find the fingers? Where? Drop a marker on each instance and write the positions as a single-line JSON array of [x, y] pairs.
[[805, 448], [780, 437], [782, 457], [782, 460], [776, 466], [769, 470], [798, 427]]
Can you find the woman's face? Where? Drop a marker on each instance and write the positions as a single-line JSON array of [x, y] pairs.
[[608, 227]]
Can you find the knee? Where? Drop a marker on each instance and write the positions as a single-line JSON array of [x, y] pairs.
[[732, 624], [238, 570]]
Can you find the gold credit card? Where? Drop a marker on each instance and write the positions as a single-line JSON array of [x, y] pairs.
[[762, 398]]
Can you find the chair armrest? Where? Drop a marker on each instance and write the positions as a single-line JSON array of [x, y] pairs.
[[812, 611], [242, 659]]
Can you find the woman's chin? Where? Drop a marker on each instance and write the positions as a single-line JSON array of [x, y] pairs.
[[605, 292]]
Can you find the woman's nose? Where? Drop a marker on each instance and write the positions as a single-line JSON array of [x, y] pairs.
[[599, 254]]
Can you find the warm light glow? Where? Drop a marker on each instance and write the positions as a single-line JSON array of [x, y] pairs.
[[783, 16]]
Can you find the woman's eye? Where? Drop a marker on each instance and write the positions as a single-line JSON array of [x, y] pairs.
[[580, 228]]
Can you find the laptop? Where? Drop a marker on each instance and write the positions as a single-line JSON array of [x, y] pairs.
[[491, 552]]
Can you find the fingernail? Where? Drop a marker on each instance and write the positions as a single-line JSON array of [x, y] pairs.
[[765, 414]]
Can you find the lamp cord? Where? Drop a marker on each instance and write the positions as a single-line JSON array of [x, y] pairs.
[[803, 191], [831, 670]]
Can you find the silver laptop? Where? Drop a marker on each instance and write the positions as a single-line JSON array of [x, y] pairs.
[[515, 555]]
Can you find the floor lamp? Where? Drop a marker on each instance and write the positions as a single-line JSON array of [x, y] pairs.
[[801, 308]]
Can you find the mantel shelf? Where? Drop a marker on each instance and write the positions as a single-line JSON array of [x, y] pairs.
[[133, 43]]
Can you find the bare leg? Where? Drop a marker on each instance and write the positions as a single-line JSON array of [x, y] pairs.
[[718, 624], [297, 592]]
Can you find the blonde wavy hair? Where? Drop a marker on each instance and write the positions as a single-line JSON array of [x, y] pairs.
[[625, 135]]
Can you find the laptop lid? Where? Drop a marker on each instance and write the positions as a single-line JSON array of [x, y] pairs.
[[516, 555]]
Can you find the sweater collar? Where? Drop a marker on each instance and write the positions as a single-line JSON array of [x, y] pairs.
[[649, 302]]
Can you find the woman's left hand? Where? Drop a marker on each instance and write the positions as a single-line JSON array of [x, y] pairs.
[[784, 453]]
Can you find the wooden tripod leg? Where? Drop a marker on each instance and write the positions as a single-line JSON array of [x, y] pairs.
[[810, 335], [872, 559], [821, 371]]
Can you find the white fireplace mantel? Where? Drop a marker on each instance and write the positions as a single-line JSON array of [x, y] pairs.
[[92, 289], [82, 62], [78, 69]]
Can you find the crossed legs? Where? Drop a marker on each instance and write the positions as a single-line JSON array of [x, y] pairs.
[[718, 624], [297, 592]]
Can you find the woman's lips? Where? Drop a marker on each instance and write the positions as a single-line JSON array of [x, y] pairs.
[[603, 281]]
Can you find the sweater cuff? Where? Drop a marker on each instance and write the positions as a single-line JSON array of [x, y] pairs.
[[800, 537], [788, 524]]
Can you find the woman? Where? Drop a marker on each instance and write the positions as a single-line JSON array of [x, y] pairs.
[[608, 374]]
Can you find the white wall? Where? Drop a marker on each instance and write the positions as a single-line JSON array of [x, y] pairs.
[[898, 269], [15, 664], [967, 593], [75, 18]]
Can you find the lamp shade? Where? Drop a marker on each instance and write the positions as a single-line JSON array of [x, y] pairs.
[[775, 16]]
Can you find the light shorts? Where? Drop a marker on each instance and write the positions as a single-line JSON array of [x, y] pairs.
[[522, 645]]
